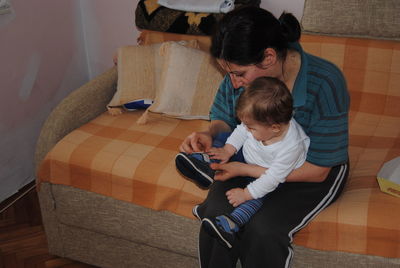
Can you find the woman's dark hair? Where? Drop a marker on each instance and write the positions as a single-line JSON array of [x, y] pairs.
[[267, 101], [243, 34]]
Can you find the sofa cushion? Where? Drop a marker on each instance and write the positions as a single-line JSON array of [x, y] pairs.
[[114, 156], [139, 72], [188, 83], [378, 19]]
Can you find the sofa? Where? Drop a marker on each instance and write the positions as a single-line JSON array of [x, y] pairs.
[[110, 195]]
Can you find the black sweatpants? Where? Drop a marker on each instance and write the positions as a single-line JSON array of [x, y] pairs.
[[266, 240]]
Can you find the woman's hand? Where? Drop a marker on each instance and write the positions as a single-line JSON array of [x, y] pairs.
[[237, 196], [202, 141], [196, 142]]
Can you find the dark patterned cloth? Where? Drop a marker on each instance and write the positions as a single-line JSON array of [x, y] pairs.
[[152, 16]]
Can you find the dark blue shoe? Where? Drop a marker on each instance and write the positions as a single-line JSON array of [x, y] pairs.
[[214, 228], [196, 167]]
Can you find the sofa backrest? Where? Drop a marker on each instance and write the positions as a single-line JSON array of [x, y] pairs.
[[372, 71]]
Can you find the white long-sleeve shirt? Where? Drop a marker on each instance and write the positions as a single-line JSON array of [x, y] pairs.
[[280, 157]]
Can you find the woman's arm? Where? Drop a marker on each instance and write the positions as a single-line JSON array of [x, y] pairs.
[[218, 126], [306, 173]]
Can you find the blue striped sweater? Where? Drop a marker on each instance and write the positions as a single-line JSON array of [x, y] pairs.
[[321, 107]]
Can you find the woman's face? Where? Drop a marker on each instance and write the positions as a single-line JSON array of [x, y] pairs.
[[242, 76]]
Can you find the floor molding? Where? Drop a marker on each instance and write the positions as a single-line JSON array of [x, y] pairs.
[[4, 205]]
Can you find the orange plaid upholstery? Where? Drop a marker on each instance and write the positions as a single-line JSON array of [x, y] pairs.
[[116, 157], [363, 220]]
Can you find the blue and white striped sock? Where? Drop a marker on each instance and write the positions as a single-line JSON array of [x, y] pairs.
[[242, 214]]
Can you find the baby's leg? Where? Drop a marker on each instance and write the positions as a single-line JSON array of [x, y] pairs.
[[243, 213]]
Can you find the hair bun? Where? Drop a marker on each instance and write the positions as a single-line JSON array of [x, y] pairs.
[[291, 28]]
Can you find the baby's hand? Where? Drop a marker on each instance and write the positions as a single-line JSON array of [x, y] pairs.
[[237, 196], [219, 154], [223, 154]]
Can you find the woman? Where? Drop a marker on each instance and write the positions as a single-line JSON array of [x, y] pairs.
[[249, 43]]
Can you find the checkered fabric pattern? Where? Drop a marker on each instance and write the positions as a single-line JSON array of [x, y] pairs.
[[363, 220], [116, 157]]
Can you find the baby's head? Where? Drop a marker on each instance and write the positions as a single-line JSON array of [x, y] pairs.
[[266, 101]]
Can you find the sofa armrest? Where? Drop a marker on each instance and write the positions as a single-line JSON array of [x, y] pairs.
[[78, 108]]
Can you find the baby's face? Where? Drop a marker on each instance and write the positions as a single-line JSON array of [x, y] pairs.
[[259, 131]]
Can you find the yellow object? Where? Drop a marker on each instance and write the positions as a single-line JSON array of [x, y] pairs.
[[151, 6], [389, 177], [194, 18], [389, 187]]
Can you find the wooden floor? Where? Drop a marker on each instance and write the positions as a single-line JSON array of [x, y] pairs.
[[22, 238]]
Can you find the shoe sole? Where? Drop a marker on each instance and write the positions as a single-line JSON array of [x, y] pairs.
[[191, 169], [213, 231]]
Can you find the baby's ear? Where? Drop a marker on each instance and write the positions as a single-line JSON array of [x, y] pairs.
[[276, 128]]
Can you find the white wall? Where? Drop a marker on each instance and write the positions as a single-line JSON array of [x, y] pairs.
[[42, 60], [278, 6], [106, 27]]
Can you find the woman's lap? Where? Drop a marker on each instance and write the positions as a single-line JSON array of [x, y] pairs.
[[284, 212]]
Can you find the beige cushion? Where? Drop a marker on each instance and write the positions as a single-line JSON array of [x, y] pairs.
[[378, 19], [139, 71], [189, 81]]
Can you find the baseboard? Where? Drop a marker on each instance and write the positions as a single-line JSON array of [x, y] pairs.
[[4, 205]]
